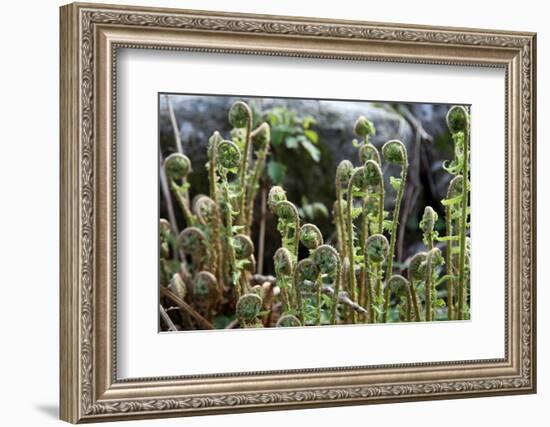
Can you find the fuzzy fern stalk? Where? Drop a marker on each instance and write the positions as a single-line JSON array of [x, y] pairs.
[[176, 167], [433, 260], [217, 223], [244, 254], [374, 209], [357, 183], [260, 137], [395, 152], [367, 152], [343, 175], [284, 266], [289, 225], [376, 251], [344, 269], [228, 160], [374, 179], [328, 263], [417, 268], [240, 116], [452, 213], [311, 238], [458, 121], [166, 243], [305, 277], [395, 285], [208, 216]]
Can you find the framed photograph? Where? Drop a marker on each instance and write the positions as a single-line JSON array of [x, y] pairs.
[[267, 212]]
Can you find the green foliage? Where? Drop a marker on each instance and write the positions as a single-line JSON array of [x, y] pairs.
[[312, 210], [290, 132], [276, 171]]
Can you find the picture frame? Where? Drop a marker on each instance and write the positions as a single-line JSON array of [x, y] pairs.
[[91, 36]]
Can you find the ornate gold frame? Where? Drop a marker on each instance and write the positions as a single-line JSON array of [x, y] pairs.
[[90, 36]]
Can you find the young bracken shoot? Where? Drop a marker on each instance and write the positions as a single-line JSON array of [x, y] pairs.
[[210, 267]]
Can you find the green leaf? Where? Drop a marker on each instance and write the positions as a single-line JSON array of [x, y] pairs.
[[235, 276], [236, 229], [291, 142], [355, 212], [312, 135], [311, 149], [276, 171], [453, 201], [395, 183], [387, 224], [444, 279], [221, 321], [173, 265], [308, 121], [276, 136], [356, 143], [308, 211], [440, 303], [326, 300], [320, 208], [447, 238], [242, 263]]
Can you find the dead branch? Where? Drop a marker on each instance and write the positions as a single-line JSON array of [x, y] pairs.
[[186, 307], [174, 122], [167, 319], [344, 298]]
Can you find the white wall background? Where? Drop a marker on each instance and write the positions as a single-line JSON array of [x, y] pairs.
[[29, 170]]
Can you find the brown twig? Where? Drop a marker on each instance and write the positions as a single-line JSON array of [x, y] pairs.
[[166, 318], [343, 298], [233, 324], [260, 279], [186, 307], [174, 122]]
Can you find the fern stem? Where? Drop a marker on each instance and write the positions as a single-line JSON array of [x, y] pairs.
[[350, 247], [395, 219], [464, 214], [449, 262], [244, 168], [182, 197], [337, 284], [318, 301]]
